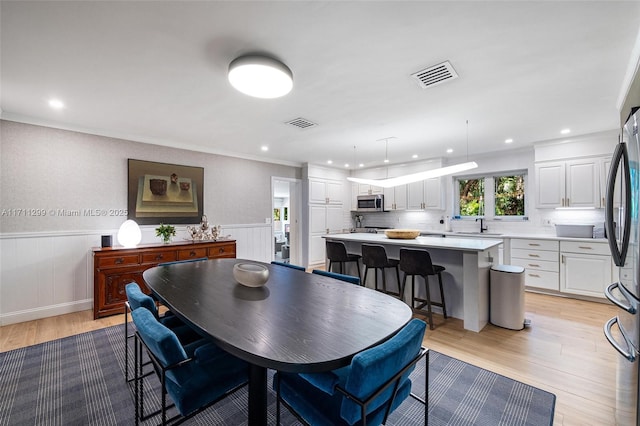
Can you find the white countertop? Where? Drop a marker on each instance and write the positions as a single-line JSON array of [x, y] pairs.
[[550, 237], [449, 243]]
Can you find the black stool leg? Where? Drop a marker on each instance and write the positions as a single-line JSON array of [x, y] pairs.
[[364, 280], [398, 281], [384, 280], [444, 306], [358, 268], [429, 313]]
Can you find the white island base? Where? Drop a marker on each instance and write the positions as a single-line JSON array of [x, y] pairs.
[[465, 280]]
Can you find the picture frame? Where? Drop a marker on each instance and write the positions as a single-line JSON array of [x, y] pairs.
[[164, 193]]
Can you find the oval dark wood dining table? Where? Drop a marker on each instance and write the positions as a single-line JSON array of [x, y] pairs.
[[297, 322]]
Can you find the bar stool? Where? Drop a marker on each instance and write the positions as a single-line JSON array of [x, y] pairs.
[[375, 256], [418, 262], [337, 252]]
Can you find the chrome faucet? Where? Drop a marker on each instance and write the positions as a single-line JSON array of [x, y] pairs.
[[482, 227]]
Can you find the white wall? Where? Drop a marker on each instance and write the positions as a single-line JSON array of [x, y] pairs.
[[46, 266]]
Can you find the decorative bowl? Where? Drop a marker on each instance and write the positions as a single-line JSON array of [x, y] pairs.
[[250, 274], [402, 234], [158, 186]]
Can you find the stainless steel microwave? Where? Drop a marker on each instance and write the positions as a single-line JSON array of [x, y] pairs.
[[371, 203]]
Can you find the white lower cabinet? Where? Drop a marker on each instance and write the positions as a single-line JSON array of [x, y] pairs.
[[323, 220], [540, 260], [585, 268]]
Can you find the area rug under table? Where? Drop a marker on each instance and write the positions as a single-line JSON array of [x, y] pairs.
[[79, 380]]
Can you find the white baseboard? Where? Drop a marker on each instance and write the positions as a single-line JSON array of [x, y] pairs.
[[46, 311]]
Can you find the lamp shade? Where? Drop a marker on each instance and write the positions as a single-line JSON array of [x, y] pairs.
[[260, 76], [129, 234]]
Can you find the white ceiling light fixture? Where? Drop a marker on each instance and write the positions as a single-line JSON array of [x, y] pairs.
[[508, 140], [565, 131], [56, 103], [416, 177], [260, 76]]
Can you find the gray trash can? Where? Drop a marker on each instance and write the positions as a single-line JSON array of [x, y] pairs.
[[507, 297]]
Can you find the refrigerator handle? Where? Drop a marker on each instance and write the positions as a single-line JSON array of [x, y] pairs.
[[618, 254], [628, 353], [608, 292]]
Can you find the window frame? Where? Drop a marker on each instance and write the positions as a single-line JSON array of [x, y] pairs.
[[489, 198]]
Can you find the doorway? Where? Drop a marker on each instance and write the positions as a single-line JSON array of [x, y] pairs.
[[286, 195]]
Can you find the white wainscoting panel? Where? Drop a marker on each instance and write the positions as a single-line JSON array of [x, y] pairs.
[[49, 273]]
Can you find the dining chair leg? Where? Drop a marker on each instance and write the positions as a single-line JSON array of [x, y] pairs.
[[444, 306]]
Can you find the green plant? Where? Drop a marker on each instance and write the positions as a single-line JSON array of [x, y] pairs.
[[166, 232]]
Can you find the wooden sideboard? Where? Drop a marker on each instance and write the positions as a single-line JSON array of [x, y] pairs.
[[115, 267]]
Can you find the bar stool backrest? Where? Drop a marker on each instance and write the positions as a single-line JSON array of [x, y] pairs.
[[374, 255], [337, 251], [416, 262]]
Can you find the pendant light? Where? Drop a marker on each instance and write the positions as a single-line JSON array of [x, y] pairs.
[[416, 177]]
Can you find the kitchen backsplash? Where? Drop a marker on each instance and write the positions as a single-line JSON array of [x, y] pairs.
[[544, 223]]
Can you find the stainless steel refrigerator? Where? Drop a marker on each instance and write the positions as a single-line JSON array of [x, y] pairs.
[[623, 330]]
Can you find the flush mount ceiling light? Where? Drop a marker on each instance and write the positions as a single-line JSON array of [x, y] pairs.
[[260, 76], [416, 177]]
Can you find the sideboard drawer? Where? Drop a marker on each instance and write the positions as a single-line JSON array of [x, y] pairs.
[[123, 260], [223, 250], [159, 256], [192, 253]]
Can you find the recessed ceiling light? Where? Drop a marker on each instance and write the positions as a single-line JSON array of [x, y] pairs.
[[508, 140], [264, 148], [56, 103], [565, 131], [361, 165], [386, 160], [414, 156], [346, 164], [329, 162], [449, 151], [260, 76]]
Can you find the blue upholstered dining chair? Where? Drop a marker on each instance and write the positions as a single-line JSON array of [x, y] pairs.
[[195, 376], [347, 278], [364, 392], [137, 299], [289, 265]]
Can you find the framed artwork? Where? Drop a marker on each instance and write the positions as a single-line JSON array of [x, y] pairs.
[[164, 193], [285, 213], [276, 214]]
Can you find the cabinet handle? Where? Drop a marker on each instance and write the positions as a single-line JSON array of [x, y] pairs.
[[159, 257], [534, 244], [534, 275], [568, 203], [221, 250], [533, 265], [534, 255], [192, 253], [562, 259], [119, 260], [603, 202], [563, 202], [585, 247]]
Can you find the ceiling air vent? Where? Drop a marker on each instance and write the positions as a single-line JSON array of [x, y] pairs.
[[301, 123], [435, 75]]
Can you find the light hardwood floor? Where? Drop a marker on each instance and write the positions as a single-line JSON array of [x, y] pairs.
[[564, 351]]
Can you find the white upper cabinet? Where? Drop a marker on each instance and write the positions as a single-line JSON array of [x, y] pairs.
[[573, 183], [425, 195], [605, 166], [395, 198], [364, 189], [324, 191]]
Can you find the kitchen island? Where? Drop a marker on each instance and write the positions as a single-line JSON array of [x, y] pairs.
[[467, 262]]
